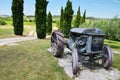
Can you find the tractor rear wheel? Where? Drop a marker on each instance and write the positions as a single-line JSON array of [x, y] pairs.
[[57, 43]]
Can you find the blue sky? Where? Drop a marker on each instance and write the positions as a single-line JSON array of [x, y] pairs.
[[94, 8]]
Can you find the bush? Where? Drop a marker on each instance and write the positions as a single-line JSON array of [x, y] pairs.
[[17, 15], [67, 19], [2, 22], [112, 30], [111, 27], [49, 23], [40, 18], [58, 24]]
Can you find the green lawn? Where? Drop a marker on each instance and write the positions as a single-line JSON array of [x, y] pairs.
[[29, 23], [115, 45], [116, 62], [29, 61], [9, 23], [26, 23], [7, 31]]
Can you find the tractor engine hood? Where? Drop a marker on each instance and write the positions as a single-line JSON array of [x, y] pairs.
[[87, 31]]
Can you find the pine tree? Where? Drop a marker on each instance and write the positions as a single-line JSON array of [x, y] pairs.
[[49, 23], [17, 15], [84, 17], [68, 15], [61, 20], [78, 18], [40, 18]]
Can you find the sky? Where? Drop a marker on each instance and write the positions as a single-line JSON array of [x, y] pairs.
[[94, 8]]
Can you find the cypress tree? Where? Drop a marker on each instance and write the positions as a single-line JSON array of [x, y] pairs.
[[40, 18], [61, 20], [84, 17], [49, 23], [17, 15], [77, 19], [68, 15]]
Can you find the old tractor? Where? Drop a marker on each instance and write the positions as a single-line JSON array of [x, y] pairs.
[[86, 45]]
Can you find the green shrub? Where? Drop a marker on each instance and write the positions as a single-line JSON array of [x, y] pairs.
[[2, 22], [78, 18], [113, 30], [111, 27], [58, 24], [68, 15], [40, 18], [17, 15], [61, 27], [84, 17], [49, 23]]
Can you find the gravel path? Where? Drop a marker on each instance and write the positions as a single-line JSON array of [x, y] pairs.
[[94, 73], [8, 41]]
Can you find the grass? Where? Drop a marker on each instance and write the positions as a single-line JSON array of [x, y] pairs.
[[115, 45], [29, 61], [7, 31], [26, 23], [9, 22], [29, 23], [116, 62]]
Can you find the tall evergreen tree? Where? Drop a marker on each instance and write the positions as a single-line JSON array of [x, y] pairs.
[[61, 20], [78, 18], [68, 15], [49, 23], [40, 18], [17, 15], [84, 17]]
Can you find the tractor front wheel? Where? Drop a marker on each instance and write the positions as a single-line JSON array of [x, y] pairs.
[[107, 57], [75, 67]]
